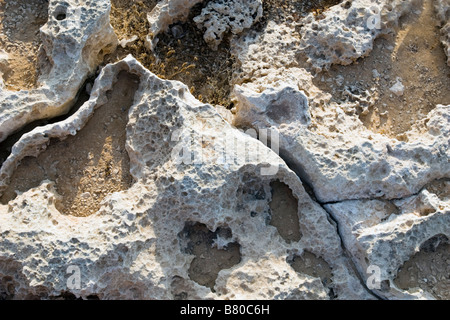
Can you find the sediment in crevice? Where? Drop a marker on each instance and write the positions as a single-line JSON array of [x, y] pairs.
[[309, 264], [7, 144], [20, 40], [88, 166]]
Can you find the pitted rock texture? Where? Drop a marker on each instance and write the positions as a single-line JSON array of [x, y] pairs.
[[152, 194], [74, 39], [388, 234], [221, 16], [347, 31], [323, 139], [131, 248], [339, 165], [20, 42]]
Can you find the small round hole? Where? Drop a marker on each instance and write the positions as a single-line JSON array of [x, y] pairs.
[[61, 16]]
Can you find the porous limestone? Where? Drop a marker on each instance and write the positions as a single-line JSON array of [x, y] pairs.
[[347, 31], [164, 14], [131, 248], [263, 54], [340, 35], [337, 155], [366, 191], [220, 17], [387, 234], [372, 185], [74, 39]]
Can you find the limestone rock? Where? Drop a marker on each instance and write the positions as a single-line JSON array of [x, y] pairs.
[[74, 39], [139, 244], [337, 155], [348, 30], [210, 211], [164, 14], [387, 234], [267, 54], [220, 17], [398, 88]]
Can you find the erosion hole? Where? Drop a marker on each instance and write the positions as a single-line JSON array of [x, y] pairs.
[[428, 269], [284, 212], [61, 16], [211, 250], [309, 264], [8, 143]]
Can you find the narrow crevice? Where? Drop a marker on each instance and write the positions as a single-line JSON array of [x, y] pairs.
[[348, 256], [389, 199], [309, 188], [7, 145]]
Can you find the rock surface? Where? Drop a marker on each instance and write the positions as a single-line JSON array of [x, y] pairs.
[[288, 195], [132, 247], [338, 164], [354, 172], [220, 16], [74, 39], [348, 30], [388, 234]]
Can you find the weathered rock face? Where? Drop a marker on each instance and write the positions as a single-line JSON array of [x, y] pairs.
[[381, 191], [348, 30], [137, 245], [340, 159], [340, 165], [206, 210], [388, 234], [74, 40], [219, 17]]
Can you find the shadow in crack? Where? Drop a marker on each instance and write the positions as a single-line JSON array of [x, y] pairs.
[[8, 143]]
